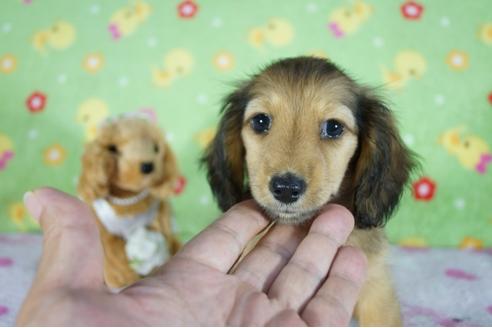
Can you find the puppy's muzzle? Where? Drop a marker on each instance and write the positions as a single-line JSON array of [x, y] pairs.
[[287, 188]]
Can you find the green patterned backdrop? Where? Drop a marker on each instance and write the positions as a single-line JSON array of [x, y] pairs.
[[67, 65]]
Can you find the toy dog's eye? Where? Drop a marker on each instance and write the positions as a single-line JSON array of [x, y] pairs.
[[156, 148], [261, 123], [331, 129], [113, 149]]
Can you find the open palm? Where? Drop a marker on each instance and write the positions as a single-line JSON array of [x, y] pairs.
[[292, 277]]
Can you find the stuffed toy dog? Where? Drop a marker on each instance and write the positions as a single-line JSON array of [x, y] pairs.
[[301, 134], [128, 173]]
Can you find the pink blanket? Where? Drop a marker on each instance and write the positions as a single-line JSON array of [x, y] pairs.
[[437, 287]]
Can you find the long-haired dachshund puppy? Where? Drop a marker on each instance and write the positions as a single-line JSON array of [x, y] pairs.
[[301, 134], [128, 172]]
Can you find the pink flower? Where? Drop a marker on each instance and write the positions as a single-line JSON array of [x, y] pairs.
[[5, 157], [424, 189], [3, 310], [460, 274], [490, 97], [36, 102], [148, 112], [180, 185], [187, 9], [411, 10], [489, 309]]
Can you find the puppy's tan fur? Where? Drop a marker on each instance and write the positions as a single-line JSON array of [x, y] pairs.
[[365, 169], [106, 172]]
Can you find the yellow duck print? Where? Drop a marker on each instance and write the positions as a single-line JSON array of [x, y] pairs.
[[408, 65], [472, 152], [177, 63], [346, 20], [90, 114], [485, 33], [59, 36], [276, 32], [127, 19]]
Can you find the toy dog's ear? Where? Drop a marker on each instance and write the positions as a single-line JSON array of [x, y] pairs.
[[382, 166], [166, 186], [98, 167], [224, 157], [171, 170]]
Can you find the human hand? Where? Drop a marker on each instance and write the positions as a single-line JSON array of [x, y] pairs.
[[283, 281]]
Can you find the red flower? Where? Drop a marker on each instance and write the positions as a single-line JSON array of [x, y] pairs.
[[490, 97], [180, 185], [424, 189], [36, 102], [411, 10], [187, 9]]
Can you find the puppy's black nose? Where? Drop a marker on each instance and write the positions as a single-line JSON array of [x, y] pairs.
[[147, 168], [287, 188]]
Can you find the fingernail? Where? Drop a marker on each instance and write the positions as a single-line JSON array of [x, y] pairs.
[[33, 205]]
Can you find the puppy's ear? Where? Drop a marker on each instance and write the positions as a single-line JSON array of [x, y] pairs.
[[224, 157], [383, 164], [98, 166], [165, 187]]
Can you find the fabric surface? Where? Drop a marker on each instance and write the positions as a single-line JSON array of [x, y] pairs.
[[437, 287], [67, 65]]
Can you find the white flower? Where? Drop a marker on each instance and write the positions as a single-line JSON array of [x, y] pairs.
[[146, 250]]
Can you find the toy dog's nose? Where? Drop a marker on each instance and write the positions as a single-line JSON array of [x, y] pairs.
[[147, 168], [287, 188]]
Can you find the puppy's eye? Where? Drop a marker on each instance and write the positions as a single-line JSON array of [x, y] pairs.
[[261, 123], [156, 148], [331, 129], [113, 149]]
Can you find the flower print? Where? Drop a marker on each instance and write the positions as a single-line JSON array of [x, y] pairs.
[[93, 62], [36, 102], [471, 243], [187, 9], [411, 10], [54, 155], [224, 61], [424, 189], [17, 212], [457, 60], [8, 63], [180, 185]]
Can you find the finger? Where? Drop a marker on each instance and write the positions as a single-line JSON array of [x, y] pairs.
[[335, 301], [260, 267], [72, 252], [219, 245], [286, 318], [308, 267]]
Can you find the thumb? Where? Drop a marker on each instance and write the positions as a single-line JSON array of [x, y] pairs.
[[72, 252]]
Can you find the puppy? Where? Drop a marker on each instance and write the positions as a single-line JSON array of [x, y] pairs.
[[301, 134], [128, 172]]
